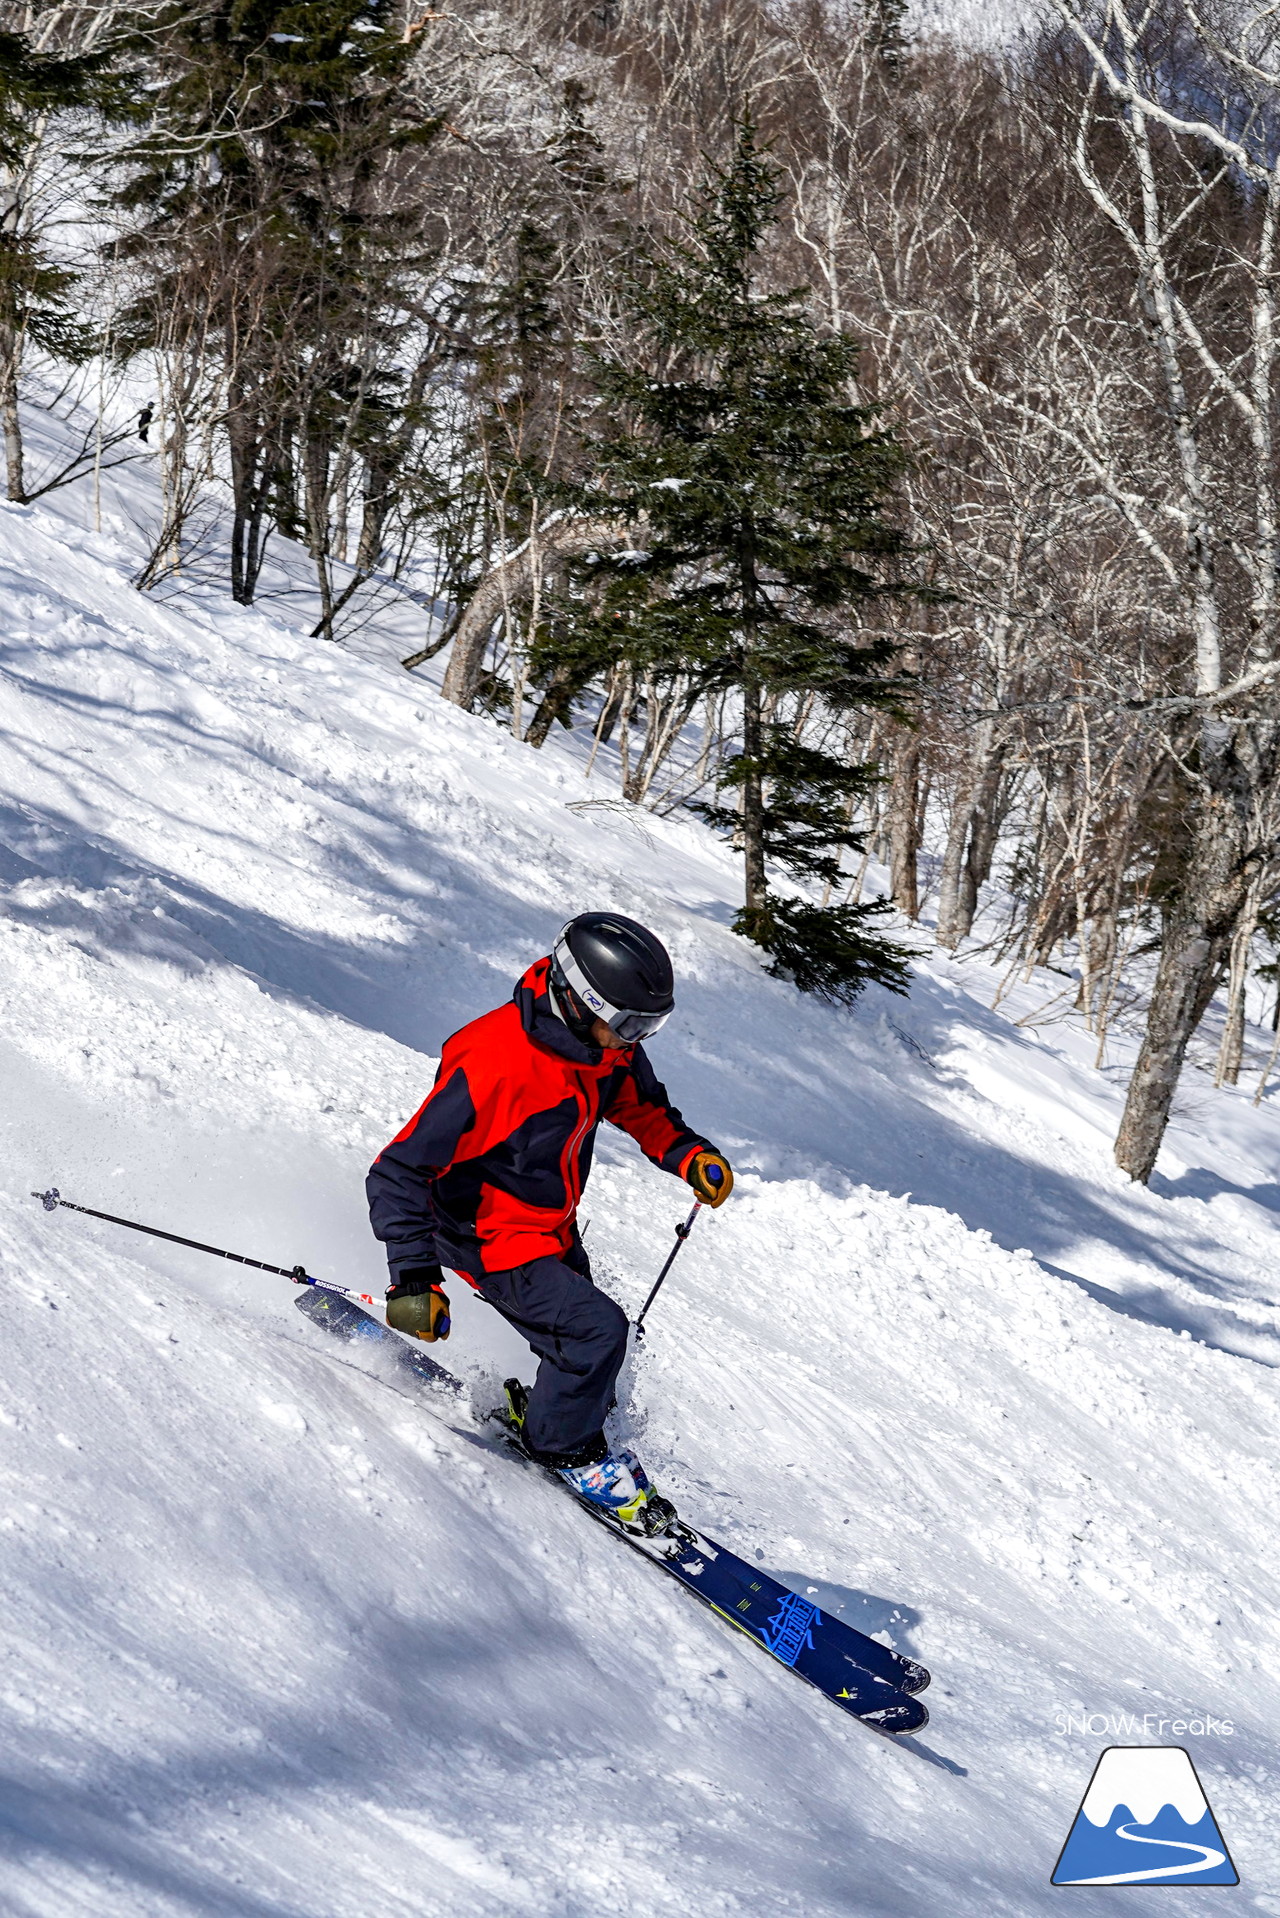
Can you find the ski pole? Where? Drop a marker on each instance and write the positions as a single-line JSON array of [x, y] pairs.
[[682, 1233], [52, 1199]]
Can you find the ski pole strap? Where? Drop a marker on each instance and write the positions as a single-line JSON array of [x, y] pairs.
[[52, 1199], [682, 1232]]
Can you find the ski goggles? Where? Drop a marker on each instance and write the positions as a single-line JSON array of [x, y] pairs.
[[629, 1026]]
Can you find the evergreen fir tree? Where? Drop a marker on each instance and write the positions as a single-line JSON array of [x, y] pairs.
[[761, 491], [889, 32], [264, 193]]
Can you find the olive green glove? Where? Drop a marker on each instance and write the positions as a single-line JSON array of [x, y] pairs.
[[419, 1305], [711, 1176]]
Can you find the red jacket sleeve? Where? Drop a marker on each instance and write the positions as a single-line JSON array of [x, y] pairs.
[[641, 1107]]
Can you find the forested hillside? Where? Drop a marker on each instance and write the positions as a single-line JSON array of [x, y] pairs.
[[858, 422]]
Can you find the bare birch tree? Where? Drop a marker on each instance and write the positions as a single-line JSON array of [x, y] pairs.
[[1173, 146]]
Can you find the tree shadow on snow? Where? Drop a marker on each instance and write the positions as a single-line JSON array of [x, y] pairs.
[[471, 1731], [1152, 1306], [194, 1826], [1198, 1182]]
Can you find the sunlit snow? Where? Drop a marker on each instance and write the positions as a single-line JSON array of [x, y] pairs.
[[280, 1644]]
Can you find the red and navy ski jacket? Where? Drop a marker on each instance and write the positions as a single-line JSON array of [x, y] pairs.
[[489, 1171]]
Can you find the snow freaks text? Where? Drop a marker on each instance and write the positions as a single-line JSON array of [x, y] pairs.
[[1133, 1725]]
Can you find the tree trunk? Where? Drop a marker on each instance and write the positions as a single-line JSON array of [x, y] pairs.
[[954, 918], [316, 493], [555, 703], [379, 482], [245, 450], [317, 501], [904, 826], [984, 829], [1102, 938], [503, 584], [1199, 923], [665, 715], [752, 799], [243, 571], [624, 720], [287, 512], [1191, 962], [1231, 1050], [613, 706], [12, 423]]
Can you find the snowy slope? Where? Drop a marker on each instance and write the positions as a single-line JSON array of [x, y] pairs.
[[279, 1644]]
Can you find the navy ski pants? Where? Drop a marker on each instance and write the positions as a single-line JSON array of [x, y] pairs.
[[580, 1336]]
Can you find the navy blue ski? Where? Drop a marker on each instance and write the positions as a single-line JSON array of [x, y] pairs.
[[863, 1677], [860, 1675]]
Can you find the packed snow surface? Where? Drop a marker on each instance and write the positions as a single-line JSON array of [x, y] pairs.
[[281, 1641]]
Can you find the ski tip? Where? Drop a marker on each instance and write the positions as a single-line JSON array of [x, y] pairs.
[[353, 1322], [317, 1304], [914, 1677], [900, 1720]]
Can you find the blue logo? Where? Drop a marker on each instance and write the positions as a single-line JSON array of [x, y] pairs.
[[1145, 1821], [790, 1630]]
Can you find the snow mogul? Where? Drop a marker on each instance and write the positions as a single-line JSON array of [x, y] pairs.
[[486, 1179]]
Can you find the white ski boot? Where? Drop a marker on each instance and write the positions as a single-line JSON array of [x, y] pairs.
[[616, 1486], [619, 1487]]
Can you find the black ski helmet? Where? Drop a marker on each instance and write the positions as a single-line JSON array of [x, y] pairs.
[[606, 967]]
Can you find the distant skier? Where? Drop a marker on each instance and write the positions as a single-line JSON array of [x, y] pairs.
[[487, 1175]]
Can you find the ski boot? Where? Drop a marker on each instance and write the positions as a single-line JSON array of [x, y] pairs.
[[616, 1487], [517, 1404]]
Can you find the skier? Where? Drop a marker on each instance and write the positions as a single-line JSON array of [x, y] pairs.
[[487, 1175]]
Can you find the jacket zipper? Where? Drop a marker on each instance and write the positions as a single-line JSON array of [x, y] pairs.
[[571, 1161]]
